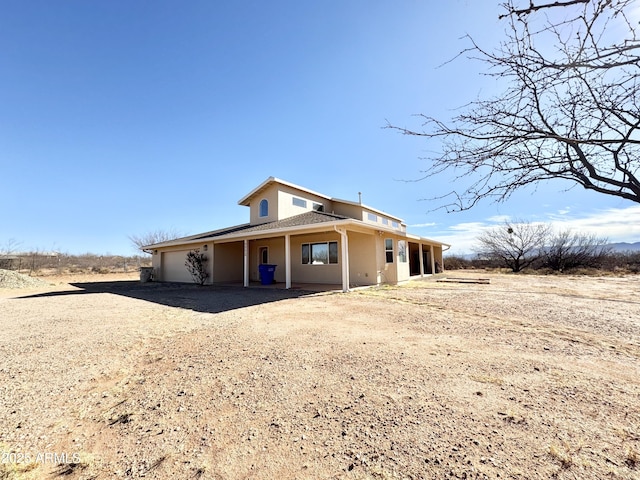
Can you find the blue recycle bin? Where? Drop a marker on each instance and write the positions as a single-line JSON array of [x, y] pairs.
[[267, 272]]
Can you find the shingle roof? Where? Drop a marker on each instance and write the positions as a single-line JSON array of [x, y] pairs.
[[308, 218]]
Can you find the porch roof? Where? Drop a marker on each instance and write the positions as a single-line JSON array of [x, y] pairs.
[[304, 220]]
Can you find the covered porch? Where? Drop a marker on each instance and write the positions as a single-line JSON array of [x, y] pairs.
[[238, 262], [424, 259]]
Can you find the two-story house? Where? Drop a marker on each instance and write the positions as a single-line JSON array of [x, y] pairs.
[[312, 238]]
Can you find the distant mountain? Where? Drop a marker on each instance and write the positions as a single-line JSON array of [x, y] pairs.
[[625, 247]]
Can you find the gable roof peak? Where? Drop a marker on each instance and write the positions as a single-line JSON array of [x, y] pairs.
[[271, 180]]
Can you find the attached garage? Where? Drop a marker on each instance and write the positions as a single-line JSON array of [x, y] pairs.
[[173, 269]]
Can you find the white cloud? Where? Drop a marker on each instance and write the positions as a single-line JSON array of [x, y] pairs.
[[418, 225], [615, 224], [469, 226], [499, 218]]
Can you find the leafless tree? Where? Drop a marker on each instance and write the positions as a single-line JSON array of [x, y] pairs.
[[570, 109], [7, 252], [150, 238], [566, 250], [516, 244]]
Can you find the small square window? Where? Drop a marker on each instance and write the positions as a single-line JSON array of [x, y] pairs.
[[372, 217]]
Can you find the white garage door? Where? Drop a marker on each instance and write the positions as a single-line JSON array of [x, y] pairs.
[[173, 269]]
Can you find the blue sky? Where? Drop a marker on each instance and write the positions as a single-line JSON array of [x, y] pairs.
[[119, 118]]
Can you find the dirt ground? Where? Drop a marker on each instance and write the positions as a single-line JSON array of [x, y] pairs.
[[526, 377]]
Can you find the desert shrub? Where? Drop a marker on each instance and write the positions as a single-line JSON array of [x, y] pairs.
[[566, 251], [455, 262], [196, 264], [622, 262], [100, 270]]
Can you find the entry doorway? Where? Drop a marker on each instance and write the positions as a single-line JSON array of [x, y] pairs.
[[414, 259], [426, 260], [263, 255], [263, 258]]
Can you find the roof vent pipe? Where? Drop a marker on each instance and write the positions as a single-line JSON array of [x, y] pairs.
[[360, 198]]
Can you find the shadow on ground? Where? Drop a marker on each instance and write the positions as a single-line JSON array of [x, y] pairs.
[[206, 299]]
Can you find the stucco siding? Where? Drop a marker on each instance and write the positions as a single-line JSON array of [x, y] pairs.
[[362, 259], [286, 207], [325, 274], [270, 194], [348, 210], [388, 270], [228, 264]]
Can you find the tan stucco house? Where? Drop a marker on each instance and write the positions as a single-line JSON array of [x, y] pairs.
[[312, 238]]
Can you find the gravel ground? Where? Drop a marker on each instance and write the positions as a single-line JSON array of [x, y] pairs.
[[11, 279], [528, 377]]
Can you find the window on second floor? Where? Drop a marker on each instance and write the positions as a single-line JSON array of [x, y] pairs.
[[299, 202], [264, 208]]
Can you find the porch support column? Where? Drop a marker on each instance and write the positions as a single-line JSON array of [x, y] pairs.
[[212, 262], [344, 245], [287, 260], [420, 254], [433, 263], [246, 263]]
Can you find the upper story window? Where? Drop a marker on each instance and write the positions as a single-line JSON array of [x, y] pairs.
[[385, 221], [372, 217], [394, 224], [318, 207], [299, 202], [264, 208]]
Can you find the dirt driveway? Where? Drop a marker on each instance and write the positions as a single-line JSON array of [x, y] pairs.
[[527, 377]]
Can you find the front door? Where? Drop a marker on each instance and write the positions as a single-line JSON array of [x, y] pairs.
[[263, 252], [263, 258]]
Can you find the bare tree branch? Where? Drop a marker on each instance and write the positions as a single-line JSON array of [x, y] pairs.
[[511, 10], [150, 238], [570, 110]]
